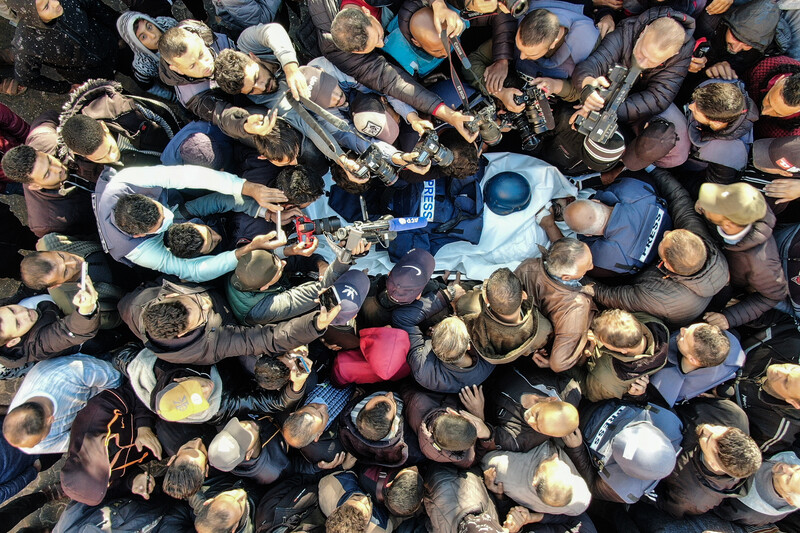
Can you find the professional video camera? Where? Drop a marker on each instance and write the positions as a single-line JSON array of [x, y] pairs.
[[485, 122], [600, 126], [535, 120], [379, 231], [429, 149], [372, 163]]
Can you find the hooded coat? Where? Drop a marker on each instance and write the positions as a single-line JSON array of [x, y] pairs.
[[80, 44], [756, 268], [656, 88], [145, 61], [674, 298], [451, 494], [389, 451], [692, 489], [517, 470]]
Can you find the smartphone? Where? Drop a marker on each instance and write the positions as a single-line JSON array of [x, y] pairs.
[[84, 274], [279, 224], [329, 298], [302, 362]]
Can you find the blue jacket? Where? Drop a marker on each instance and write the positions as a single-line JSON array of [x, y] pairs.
[[581, 39], [16, 469], [636, 226]]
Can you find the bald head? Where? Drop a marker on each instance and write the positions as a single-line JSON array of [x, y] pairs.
[[423, 33], [587, 217], [27, 425], [553, 418]]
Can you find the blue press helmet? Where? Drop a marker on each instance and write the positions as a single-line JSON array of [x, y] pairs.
[[506, 193]]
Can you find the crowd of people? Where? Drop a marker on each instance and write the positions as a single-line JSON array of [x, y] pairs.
[[380, 266]]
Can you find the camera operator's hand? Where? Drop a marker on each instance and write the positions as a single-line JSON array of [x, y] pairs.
[[266, 197], [361, 247], [270, 241], [698, 64], [458, 120], [418, 124], [302, 248], [350, 167], [261, 125], [495, 74], [549, 85], [86, 300], [404, 160], [325, 317], [296, 81], [722, 70], [507, 97], [444, 17], [785, 190], [595, 102], [605, 25]]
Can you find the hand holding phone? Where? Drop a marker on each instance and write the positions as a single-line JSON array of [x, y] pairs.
[[329, 298], [84, 274]]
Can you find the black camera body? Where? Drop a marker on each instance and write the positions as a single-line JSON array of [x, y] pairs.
[[372, 163], [600, 126], [537, 108], [518, 8], [486, 124], [430, 149]]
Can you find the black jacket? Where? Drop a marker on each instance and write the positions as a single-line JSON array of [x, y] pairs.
[[656, 88]]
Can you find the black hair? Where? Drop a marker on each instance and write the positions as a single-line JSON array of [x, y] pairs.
[[790, 92], [537, 27], [374, 423], [349, 30], [18, 163], [183, 240], [299, 185], [83, 135], [404, 495], [466, 161], [283, 142], [183, 480], [454, 433], [271, 373], [31, 423], [33, 268], [504, 291], [136, 214], [229, 70], [165, 320], [720, 101], [346, 519]]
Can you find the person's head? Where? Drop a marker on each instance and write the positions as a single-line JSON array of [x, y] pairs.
[[138, 215], [147, 33], [238, 442], [728, 450], [552, 417], [222, 513], [324, 88], [466, 161], [174, 316], [538, 34], [356, 31], [453, 432], [90, 138], [783, 381], [45, 270], [786, 481], [643, 451], [587, 217], [731, 207], [39, 170], [703, 345], [239, 73], [403, 494], [682, 252], [189, 240], [15, 322], [375, 419], [186, 470], [716, 105], [340, 178], [734, 45], [450, 340], [186, 52], [257, 271], [281, 146], [552, 482], [184, 397], [659, 41], [424, 34], [305, 425], [409, 276], [49, 10], [300, 186], [504, 292], [783, 98], [619, 331], [27, 425], [569, 259], [352, 516], [271, 372]]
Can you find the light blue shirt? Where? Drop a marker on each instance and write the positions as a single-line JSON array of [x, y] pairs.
[[69, 382]]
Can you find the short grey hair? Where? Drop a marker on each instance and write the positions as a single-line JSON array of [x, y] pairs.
[[450, 339], [595, 222], [563, 257]]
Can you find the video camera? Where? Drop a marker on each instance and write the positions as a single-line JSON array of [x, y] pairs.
[[307, 228], [380, 231], [430, 149], [485, 123], [372, 163], [518, 8], [535, 120], [600, 126]]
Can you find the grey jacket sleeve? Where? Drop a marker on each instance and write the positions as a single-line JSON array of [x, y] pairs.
[[268, 39]]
